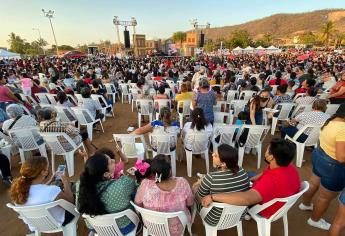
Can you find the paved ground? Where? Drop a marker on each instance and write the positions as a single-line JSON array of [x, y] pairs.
[[12, 226]]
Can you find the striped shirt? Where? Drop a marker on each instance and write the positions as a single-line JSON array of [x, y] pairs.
[[221, 182]]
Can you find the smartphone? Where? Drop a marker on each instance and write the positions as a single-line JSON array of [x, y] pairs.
[[131, 170], [60, 170]]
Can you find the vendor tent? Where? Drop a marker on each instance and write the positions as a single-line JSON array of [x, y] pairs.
[[8, 55], [237, 50], [273, 49], [249, 49]]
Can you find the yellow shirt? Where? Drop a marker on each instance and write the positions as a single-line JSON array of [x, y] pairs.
[[330, 134], [184, 96]]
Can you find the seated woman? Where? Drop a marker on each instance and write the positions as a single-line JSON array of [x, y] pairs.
[[62, 100], [32, 188], [161, 93], [281, 96], [162, 126], [18, 120], [337, 92], [165, 193], [88, 103], [99, 194], [309, 98], [228, 177], [316, 116], [49, 123], [198, 123]]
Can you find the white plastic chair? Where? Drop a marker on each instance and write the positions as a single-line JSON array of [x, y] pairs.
[[299, 95], [124, 92], [312, 140], [247, 95], [156, 223], [26, 140], [164, 142], [42, 98], [226, 135], [51, 98], [79, 97], [301, 108], [104, 104], [129, 147], [285, 109], [65, 114], [84, 117], [332, 109], [145, 108], [134, 96], [185, 104], [256, 135], [230, 217], [231, 95], [237, 106], [105, 225], [223, 117], [28, 99], [159, 104], [54, 142], [72, 99], [40, 217], [198, 145], [111, 91], [219, 105], [264, 224]]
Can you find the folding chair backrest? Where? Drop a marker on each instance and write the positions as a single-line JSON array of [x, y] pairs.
[[246, 95], [25, 137], [54, 141], [285, 109], [163, 142], [40, 216], [156, 222], [220, 106], [42, 98], [185, 104], [232, 95], [221, 117], [163, 103], [289, 202], [105, 225], [230, 217], [313, 134], [301, 108], [127, 142], [65, 114], [226, 133], [332, 108], [256, 134], [237, 106], [51, 98], [200, 141], [145, 106], [99, 99], [83, 115]]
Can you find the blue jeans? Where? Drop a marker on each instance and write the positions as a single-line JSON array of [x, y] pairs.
[[330, 171], [291, 131]]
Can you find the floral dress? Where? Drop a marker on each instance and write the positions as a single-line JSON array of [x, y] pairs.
[[151, 197]]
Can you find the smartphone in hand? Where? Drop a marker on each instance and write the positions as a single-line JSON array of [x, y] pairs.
[[60, 170]]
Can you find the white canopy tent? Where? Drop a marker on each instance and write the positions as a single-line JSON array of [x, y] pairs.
[[237, 50], [249, 49], [260, 48], [273, 49], [9, 55]]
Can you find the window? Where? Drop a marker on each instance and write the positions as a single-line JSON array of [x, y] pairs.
[[189, 40], [193, 40]]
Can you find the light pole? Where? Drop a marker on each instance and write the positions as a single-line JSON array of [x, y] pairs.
[[40, 38], [49, 14]]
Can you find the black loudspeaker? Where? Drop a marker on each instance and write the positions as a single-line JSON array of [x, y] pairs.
[[127, 40], [202, 39]]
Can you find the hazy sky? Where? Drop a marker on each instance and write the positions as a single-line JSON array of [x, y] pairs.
[[84, 21]]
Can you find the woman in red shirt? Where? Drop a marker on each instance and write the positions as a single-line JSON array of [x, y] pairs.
[[337, 94], [278, 80]]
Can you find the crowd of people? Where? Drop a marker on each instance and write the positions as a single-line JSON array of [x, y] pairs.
[[104, 188]]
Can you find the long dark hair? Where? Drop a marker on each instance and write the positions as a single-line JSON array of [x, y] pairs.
[[198, 119], [229, 156], [332, 118], [61, 97], [278, 77], [89, 199], [256, 99]]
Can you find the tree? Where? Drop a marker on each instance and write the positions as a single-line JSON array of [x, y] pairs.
[[308, 38], [82, 48], [339, 38], [327, 31], [210, 46], [179, 37], [239, 38], [17, 44]]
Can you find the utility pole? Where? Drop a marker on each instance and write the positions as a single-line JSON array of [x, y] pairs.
[[49, 14]]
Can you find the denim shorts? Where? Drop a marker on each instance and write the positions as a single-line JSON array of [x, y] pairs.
[[330, 171], [342, 197]]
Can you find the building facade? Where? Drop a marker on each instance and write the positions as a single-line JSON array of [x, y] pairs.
[[140, 45]]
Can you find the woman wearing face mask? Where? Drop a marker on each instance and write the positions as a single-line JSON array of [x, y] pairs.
[[256, 105], [228, 177], [32, 188]]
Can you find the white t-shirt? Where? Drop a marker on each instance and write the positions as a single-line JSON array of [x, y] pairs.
[[41, 194], [187, 128]]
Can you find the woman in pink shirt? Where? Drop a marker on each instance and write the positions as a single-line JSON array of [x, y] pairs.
[[165, 193], [6, 96], [26, 85]]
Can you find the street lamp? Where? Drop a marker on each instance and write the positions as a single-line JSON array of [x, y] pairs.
[[49, 14], [40, 38]]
